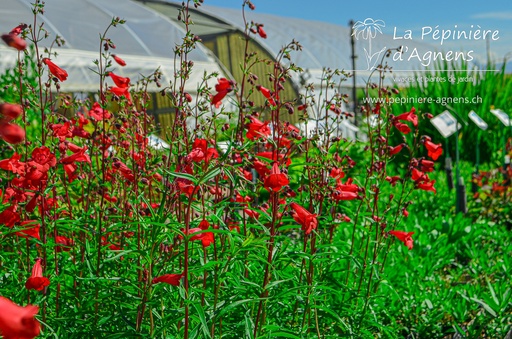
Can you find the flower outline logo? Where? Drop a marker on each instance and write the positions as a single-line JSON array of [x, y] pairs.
[[368, 30]]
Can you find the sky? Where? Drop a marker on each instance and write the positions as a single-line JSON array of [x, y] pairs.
[[402, 15]]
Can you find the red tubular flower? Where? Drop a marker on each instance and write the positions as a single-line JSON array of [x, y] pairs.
[[17, 321], [257, 129], [262, 32], [43, 156], [266, 93], [393, 180], [120, 81], [402, 127], [79, 156], [409, 116], [304, 217], [206, 238], [395, 150], [9, 216], [223, 84], [200, 151], [10, 112], [14, 41], [434, 150], [261, 168], [427, 186], [275, 157], [62, 131], [119, 61], [13, 164], [122, 91], [12, 133], [337, 173], [63, 244], [58, 72], [98, 113], [275, 180], [32, 230], [417, 175], [223, 87], [344, 195], [18, 29], [204, 224], [405, 237], [426, 165], [37, 281], [171, 279]]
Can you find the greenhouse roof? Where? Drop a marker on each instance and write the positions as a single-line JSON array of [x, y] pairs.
[[146, 41], [324, 45]]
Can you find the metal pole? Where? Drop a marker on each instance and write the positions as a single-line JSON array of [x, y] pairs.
[[353, 56]]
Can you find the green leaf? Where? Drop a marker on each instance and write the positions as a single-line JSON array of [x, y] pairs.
[[485, 306], [183, 176]]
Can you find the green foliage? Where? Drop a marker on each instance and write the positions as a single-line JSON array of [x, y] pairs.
[[453, 86]]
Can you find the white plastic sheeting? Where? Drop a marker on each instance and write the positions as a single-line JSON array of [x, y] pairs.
[[324, 45], [146, 41]]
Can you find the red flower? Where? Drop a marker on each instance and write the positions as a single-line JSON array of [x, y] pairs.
[[13, 164], [200, 151], [252, 213], [98, 113], [409, 116], [10, 111], [417, 175], [427, 165], [204, 224], [275, 180], [18, 29], [223, 87], [32, 230], [344, 195], [120, 81], [79, 156], [58, 72], [119, 61], [14, 41], [9, 216], [206, 238], [257, 129], [43, 156], [37, 281], [404, 237], [122, 91], [171, 279], [337, 173], [262, 32], [304, 217], [62, 131], [434, 150], [395, 150], [63, 244], [266, 93], [125, 171], [275, 157], [347, 191], [17, 321], [261, 168], [393, 180], [11, 133], [427, 186], [402, 127]]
